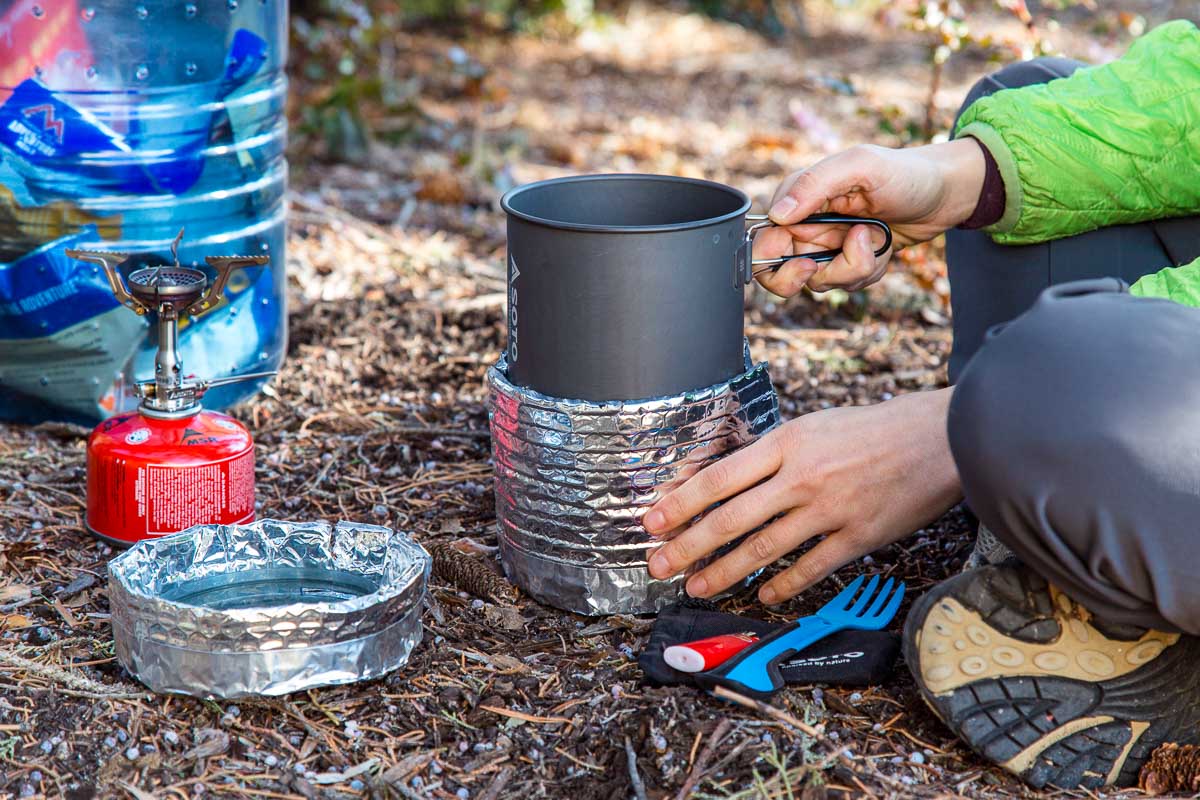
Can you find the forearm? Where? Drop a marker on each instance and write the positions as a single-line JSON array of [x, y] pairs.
[[964, 167], [945, 488]]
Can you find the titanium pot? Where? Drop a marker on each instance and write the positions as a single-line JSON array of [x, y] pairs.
[[624, 287]]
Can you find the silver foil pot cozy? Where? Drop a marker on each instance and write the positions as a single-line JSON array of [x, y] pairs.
[[267, 608], [574, 477]]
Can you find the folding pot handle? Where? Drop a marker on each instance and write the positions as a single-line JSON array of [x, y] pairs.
[[748, 267]]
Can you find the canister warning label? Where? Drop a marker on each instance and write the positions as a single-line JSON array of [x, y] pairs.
[[179, 497]]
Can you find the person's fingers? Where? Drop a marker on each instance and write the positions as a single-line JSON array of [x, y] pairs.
[[760, 549], [811, 189], [834, 551], [772, 243], [723, 524], [857, 265], [789, 278], [732, 474]]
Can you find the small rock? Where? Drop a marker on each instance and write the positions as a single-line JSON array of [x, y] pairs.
[[132, 754], [462, 793], [917, 757], [47, 747], [171, 737], [856, 697], [295, 740], [27, 790], [357, 785], [36, 776], [271, 760], [233, 711], [110, 742], [477, 604], [298, 769], [122, 736], [380, 510]]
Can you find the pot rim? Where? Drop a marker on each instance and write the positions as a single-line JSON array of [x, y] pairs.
[[507, 200]]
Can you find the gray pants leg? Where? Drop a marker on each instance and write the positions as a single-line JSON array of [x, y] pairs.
[[1076, 429]]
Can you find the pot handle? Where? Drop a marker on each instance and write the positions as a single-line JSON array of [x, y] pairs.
[[748, 267]]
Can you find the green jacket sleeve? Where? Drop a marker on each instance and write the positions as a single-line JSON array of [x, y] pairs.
[[1112, 144], [1181, 284]]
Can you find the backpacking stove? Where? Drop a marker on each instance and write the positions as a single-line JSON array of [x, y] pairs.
[[169, 464]]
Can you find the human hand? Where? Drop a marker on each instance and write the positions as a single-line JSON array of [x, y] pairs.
[[863, 477], [918, 191]]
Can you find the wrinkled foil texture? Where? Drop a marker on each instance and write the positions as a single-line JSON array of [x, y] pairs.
[[267, 608], [574, 477]]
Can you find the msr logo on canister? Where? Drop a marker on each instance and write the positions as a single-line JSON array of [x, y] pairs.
[[512, 310]]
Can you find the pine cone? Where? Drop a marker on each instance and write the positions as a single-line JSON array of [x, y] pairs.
[[1171, 768], [470, 574]]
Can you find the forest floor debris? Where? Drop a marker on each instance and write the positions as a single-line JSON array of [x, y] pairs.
[[397, 291]]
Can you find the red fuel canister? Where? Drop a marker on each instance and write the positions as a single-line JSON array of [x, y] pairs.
[[149, 476]]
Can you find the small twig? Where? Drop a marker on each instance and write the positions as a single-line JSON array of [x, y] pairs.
[[639, 788], [497, 785], [771, 711], [75, 684], [698, 768]]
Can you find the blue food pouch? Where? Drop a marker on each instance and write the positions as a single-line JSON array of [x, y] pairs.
[[63, 336]]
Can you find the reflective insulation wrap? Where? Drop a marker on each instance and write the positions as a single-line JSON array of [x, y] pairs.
[[574, 477], [267, 608]]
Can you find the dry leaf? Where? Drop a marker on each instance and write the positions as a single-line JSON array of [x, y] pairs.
[[15, 593], [443, 188], [209, 742]]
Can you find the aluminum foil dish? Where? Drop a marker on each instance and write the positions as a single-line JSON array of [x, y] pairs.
[[267, 608], [574, 477]]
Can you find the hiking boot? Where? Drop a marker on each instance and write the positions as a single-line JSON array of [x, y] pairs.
[[1034, 684]]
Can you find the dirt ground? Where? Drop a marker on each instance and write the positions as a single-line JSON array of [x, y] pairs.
[[396, 292]]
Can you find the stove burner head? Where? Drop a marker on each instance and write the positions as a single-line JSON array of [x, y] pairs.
[[177, 287], [170, 292]]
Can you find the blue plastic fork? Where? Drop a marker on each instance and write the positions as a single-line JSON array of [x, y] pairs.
[[755, 670]]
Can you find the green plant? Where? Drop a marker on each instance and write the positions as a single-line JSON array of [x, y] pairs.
[[947, 24]]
